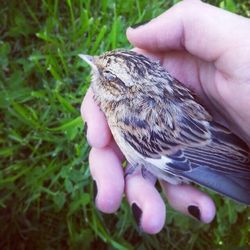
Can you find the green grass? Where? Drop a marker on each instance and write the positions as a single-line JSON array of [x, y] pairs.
[[46, 193]]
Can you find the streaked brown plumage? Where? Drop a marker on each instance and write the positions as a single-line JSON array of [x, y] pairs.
[[159, 125]]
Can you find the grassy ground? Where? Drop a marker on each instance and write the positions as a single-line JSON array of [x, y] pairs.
[[46, 193]]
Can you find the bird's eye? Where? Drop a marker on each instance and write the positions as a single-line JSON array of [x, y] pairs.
[[109, 76]]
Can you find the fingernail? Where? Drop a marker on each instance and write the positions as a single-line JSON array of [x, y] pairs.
[[138, 24], [158, 186], [85, 129], [94, 189], [137, 213], [194, 211]]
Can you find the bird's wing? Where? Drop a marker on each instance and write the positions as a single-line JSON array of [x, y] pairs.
[[190, 145]]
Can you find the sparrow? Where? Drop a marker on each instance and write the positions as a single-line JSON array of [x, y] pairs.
[[161, 127]]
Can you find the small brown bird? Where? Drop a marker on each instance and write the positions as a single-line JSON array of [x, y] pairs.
[[161, 127]]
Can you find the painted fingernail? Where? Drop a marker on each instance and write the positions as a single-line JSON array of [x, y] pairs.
[[85, 129], [158, 186], [94, 189], [194, 211], [138, 24], [137, 213]]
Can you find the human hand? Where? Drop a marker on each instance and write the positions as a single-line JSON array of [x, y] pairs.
[[201, 70]]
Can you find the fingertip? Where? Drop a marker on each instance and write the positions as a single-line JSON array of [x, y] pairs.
[[131, 33], [85, 103], [105, 201], [190, 201], [106, 170], [142, 192], [153, 217], [208, 209], [200, 35], [159, 34], [98, 133], [128, 31]]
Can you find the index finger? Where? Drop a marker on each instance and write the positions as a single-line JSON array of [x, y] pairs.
[[98, 132], [199, 28]]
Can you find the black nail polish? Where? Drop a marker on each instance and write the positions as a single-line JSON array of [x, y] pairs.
[[138, 24], [194, 211], [85, 129], [158, 186], [94, 189], [137, 213]]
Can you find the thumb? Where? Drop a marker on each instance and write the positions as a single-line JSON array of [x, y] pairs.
[[201, 29]]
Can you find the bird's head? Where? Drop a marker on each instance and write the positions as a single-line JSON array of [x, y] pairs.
[[120, 74]]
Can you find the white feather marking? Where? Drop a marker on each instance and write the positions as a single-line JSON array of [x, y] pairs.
[[160, 163]]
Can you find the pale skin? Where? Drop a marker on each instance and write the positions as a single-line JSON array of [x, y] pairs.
[[208, 50]]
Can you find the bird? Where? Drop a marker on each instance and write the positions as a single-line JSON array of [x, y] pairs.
[[162, 128]]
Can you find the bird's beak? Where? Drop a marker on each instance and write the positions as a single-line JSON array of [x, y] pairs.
[[88, 59]]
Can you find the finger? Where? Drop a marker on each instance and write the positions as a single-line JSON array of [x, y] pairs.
[[147, 205], [116, 150], [190, 201], [106, 170], [98, 132], [201, 29]]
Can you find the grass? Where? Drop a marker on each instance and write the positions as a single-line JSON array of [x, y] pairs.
[[46, 193]]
